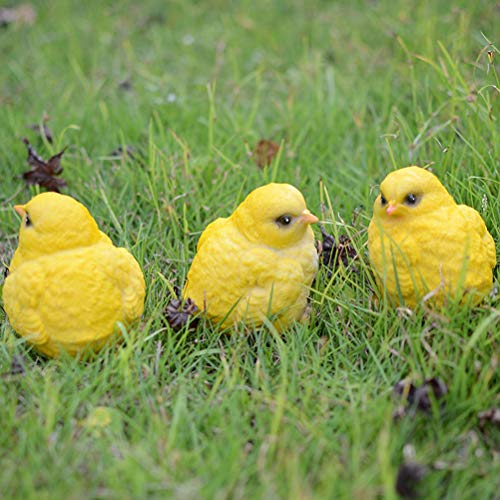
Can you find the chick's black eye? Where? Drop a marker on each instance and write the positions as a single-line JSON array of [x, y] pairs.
[[411, 199], [383, 201], [27, 221], [284, 220]]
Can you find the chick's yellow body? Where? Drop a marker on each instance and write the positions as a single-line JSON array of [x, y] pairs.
[[248, 267], [65, 297], [423, 245]]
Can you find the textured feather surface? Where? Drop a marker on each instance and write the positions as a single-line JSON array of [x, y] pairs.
[[74, 298], [68, 286], [450, 251], [476, 223], [235, 279]]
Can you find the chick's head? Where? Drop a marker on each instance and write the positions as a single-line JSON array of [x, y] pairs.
[[410, 191], [52, 222], [275, 215]]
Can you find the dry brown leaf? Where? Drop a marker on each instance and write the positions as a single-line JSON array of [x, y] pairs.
[[333, 254], [419, 398], [43, 172], [409, 475], [264, 152], [180, 312], [43, 129]]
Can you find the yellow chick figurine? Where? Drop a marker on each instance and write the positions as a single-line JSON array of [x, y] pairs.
[[423, 245], [257, 263], [68, 286]]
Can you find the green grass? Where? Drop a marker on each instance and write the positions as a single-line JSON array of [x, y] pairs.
[[351, 90]]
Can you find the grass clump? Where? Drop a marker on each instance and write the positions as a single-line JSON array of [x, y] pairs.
[[349, 91]]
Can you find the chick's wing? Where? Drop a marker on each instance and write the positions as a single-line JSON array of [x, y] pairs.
[[127, 275], [215, 274], [476, 225]]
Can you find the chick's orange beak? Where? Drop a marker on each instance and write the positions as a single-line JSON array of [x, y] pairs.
[[391, 208], [20, 210], [308, 218]]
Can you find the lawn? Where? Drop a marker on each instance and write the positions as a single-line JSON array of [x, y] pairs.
[[160, 106]]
